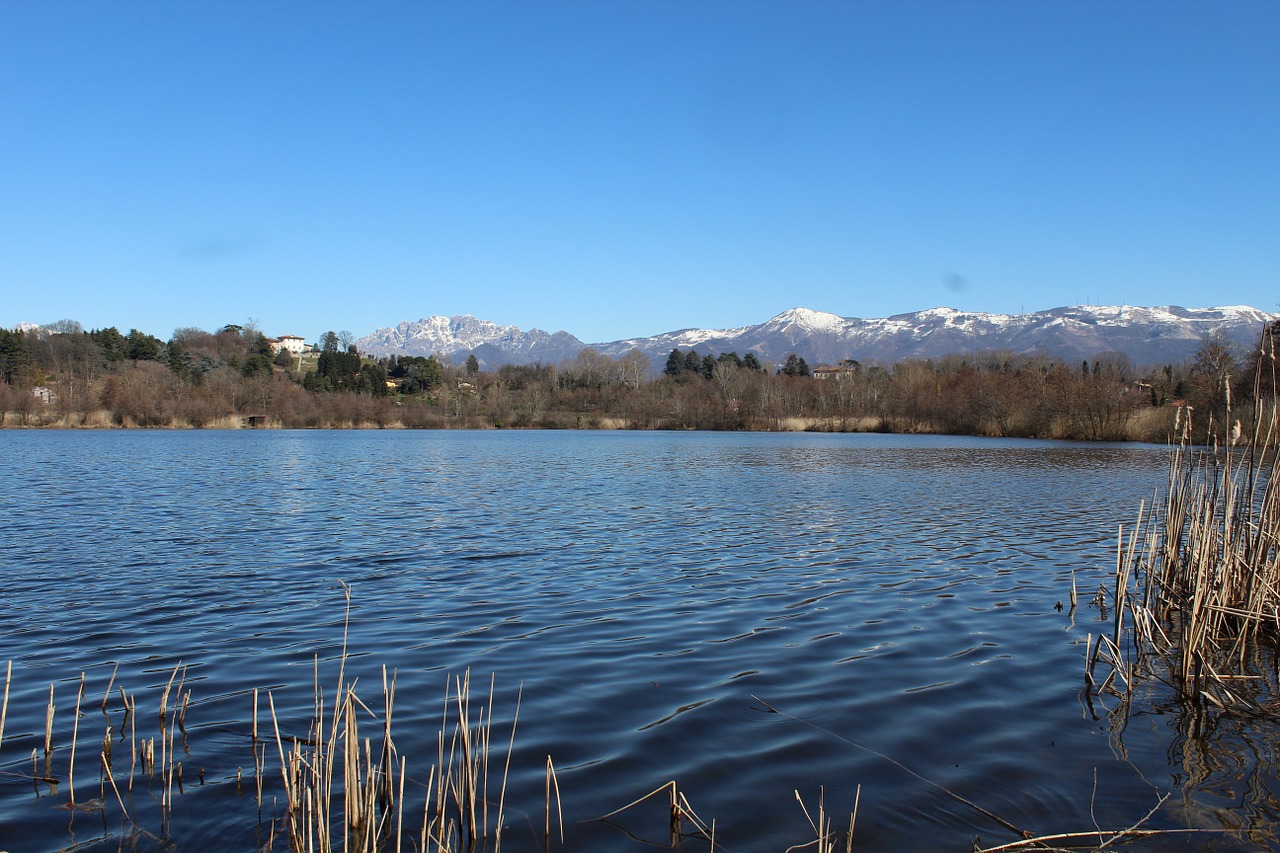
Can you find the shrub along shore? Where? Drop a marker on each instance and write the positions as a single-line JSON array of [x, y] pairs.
[[233, 379]]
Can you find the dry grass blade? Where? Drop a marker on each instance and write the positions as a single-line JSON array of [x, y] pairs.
[[4, 706], [668, 788], [853, 818], [679, 810], [75, 735], [107, 694], [552, 781], [164, 697], [106, 768]]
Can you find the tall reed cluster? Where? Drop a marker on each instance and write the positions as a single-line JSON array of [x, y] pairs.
[[1198, 578], [345, 785], [344, 793], [347, 791]]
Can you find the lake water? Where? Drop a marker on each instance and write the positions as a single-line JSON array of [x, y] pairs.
[[653, 595]]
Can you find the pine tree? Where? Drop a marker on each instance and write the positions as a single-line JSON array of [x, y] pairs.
[[675, 364]]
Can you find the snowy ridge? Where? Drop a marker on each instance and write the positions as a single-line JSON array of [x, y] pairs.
[[454, 338], [1161, 334]]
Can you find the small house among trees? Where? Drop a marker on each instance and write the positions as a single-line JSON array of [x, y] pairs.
[[838, 372]]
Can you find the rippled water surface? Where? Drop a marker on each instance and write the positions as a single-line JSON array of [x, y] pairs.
[[654, 595]]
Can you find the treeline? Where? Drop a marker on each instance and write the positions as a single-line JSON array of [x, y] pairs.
[[66, 376]]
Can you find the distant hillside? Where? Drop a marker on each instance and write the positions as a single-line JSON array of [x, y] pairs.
[[1145, 335]]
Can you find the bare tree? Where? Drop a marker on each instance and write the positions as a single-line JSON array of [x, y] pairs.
[[64, 327], [633, 368]]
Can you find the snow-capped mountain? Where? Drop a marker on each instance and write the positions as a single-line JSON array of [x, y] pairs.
[[454, 338], [1145, 335]]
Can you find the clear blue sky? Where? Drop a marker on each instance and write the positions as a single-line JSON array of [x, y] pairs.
[[619, 169]]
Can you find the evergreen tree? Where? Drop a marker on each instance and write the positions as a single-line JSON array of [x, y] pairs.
[[707, 367], [179, 360], [113, 344], [422, 375], [675, 364], [372, 379], [260, 345], [346, 371], [795, 366], [14, 358], [256, 365], [140, 346]]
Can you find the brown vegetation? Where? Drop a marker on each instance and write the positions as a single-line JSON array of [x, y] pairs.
[[1197, 587], [229, 379]]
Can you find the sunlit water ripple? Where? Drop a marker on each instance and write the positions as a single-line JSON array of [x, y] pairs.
[[654, 596]]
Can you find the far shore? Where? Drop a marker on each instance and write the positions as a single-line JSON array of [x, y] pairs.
[[1146, 425]]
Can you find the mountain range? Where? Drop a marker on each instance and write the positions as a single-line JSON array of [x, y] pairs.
[[1146, 335]]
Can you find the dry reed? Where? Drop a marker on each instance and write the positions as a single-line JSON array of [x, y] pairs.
[[678, 811], [342, 793], [343, 790], [826, 837], [4, 706], [1199, 577]]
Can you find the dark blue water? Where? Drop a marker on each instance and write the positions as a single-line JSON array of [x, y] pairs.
[[651, 596]]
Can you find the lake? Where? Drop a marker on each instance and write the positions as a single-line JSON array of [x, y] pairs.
[[748, 614]]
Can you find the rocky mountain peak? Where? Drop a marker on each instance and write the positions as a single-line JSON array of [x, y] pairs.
[[1145, 335]]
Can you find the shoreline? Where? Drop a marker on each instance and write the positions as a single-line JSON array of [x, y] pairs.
[[1142, 427]]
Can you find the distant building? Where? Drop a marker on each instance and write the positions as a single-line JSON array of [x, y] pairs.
[[293, 344], [832, 372], [44, 394]]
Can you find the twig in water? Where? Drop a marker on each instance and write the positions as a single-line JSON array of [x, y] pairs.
[[957, 797]]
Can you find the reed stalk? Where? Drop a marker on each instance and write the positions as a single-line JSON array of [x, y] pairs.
[[75, 735], [4, 706], [553, 782], [133, 742], [48, 727], [164, 697], [679, 810], [1199, 581], [106, 766], [336, 767], [343, 793], [107, 693]]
